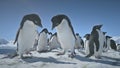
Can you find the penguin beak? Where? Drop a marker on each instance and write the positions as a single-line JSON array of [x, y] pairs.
[[100, 26]]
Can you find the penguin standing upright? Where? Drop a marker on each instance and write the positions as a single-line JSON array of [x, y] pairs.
[[27, 33], [105, 42], [86, 46], [65, 33], [113, 44], [107, 47], [96, 42], [79, 42], [43, 41], [53, 42]]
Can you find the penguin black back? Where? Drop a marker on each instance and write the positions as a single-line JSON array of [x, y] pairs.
[[113, 44]]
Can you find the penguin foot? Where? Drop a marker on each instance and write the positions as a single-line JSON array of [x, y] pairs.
[[25, 57], [72, 55], [88, 56], [44, 51], [98, 57]]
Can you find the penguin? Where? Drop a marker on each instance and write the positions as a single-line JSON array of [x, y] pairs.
[[54, 43], [96, 42], [43, 41], [105, 41], [118, 47], [107, 46], [79, 42], [86, 46], [27, 33], [113, 45], [65, 34]]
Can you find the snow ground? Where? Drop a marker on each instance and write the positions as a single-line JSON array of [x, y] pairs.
[[110, 59]]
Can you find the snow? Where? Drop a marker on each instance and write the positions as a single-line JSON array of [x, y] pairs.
[[110, 59]]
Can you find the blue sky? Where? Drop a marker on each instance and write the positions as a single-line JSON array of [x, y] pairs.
[[84, 14]]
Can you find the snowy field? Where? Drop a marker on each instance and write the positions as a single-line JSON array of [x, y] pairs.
[[110, 59]]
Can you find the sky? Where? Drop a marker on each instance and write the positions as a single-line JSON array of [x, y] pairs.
[[83, 14]]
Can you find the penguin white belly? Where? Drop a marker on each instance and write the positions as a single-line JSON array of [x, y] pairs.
[[77, 43], [108, 44], [26, 37], [87, 47], [101, 43], [65, 36], [42, 42], [54, 43]]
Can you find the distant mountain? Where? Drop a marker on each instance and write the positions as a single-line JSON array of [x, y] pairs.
[[3, 41]]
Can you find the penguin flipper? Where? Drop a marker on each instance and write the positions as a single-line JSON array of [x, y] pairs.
[[17, 36]]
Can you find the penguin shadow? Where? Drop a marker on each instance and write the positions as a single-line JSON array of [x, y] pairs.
[[111, 58], [102, 61], [46, 60]]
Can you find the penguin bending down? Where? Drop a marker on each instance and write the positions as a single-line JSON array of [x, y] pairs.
[[79, 42], [65, 33], [43, 41], [27, 33], [53, 42], [86, 46], [96, 42]]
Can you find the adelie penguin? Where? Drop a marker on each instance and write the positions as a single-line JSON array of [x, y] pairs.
[[96, 42], [27, 33], [79, 42], [43, 41], [86, 46], [107, 46], [65, 33], [111, 44], [53, 42]]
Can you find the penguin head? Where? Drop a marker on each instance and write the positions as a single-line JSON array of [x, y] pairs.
[[108, 37], [32, 17], [77, 34], [45, 30], [50, 33], [97, 27], [104, 33], [87, 36], [56, 20]]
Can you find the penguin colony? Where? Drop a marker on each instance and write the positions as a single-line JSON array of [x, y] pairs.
[[64, 39]]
